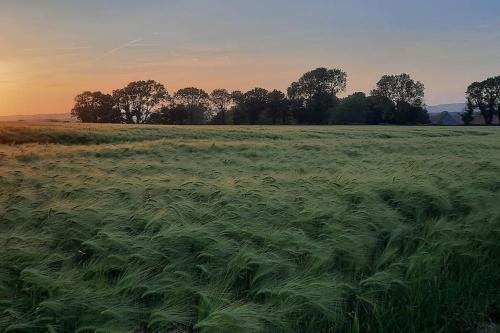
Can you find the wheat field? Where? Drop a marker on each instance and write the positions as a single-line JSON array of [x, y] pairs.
[[117, 228]]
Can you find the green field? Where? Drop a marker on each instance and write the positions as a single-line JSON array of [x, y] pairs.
[[115, 228]]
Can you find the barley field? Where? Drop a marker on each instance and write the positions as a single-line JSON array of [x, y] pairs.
[[117, 228]]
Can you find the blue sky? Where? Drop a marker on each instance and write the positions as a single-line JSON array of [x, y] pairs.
[[50, 50]]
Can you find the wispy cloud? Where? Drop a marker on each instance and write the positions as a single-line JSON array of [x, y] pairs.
[[120, 47], [71, 48]]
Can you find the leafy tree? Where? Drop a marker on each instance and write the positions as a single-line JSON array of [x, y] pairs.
[[314, 94], [351, 110], [322, 80], [468, 114], [277, 108], [195, 101], [95, 107], [233, 114], [178, 114], [237, 97], [139, 99], [407, 114], [221, 100], [477, 99], [297, 103], [400, 89], [378, 107], [406, 95], [491, 87], [250, 106], [496, 82], [485, 96]]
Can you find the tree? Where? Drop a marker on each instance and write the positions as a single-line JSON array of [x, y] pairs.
[[322, 80], [178, 114], [400, 89], [221, 99], [407, 114], [378, 108], [277, 107], [316, 90], [351, 110], [491, 87], [139, 99], [95, 107], [406, 95], [496, 82], [468, 114], [297, 103], [250, 106], [485, 96], [195, 101]]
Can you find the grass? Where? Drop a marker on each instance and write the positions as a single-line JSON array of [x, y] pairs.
[[111, 228]]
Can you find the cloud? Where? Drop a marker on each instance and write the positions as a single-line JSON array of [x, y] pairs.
[[71, 48], [120, 47]]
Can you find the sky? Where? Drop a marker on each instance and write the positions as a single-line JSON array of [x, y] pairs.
[[51, 50]]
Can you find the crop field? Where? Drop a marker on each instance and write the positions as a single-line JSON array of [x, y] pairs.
[[117, 228]]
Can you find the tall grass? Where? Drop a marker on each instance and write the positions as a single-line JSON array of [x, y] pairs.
[[249, 229]]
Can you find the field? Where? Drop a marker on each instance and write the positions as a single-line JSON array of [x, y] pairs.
[[114, 228]]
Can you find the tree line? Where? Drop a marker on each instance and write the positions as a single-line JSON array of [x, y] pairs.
[[485, 97], [312, 100]]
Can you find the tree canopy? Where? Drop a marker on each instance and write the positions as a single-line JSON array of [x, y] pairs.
[[221, 99], [196, 103], [139, 99], [400, 89], [485, 96], [314, 95], [95, 107], [312, 99]]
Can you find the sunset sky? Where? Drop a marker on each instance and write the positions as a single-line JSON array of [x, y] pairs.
[[51, 50]]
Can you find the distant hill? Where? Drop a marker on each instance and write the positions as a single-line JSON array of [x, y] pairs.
[[57, 117], [454, 107]]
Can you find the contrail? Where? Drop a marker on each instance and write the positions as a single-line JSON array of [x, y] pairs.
[[118, 48]]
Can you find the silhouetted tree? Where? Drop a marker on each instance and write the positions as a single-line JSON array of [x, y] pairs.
[[468, 114], [221, 100], [297, 103], [139, 99], [316, 91], [250, 106], [485, 96], [233, 113], [179, 115], [378, 107], [95, 107], [407, 97], [400, 89], [407, 114], [351, 110], [497, 92], [237, 96], [196, 102], [277, 108], [491, 88], [476, 96]]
